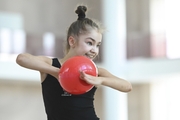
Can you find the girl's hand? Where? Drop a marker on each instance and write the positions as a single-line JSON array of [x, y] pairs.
[[90, 79], [107, 79]]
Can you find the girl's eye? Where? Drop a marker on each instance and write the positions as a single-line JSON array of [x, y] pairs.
[[89, 43], [98, 45]]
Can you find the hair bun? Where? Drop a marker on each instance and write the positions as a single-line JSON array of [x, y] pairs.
[[81, 12]]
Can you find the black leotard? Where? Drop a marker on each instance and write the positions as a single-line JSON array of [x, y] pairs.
[[60, 105]]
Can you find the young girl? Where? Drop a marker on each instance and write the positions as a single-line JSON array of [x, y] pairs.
[[84, 38]]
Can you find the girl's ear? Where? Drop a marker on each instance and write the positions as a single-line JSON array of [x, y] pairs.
[[72, 41]]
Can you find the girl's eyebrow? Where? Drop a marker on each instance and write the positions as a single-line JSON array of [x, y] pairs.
[[92, 39]]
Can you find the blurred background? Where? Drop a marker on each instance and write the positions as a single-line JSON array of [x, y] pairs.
[[141, 45]]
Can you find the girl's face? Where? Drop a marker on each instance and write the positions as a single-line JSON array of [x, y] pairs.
[[88, 44]]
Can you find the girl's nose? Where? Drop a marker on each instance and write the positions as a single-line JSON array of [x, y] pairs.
[[94, 50]]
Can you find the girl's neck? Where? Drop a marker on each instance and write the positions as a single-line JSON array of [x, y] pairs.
[[66, 57]]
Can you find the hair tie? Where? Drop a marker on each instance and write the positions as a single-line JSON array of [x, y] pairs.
[[81, 16]]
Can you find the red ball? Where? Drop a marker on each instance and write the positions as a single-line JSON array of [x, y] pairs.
[[69, 75]]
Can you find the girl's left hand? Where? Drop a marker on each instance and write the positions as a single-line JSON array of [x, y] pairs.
[[90, 79]]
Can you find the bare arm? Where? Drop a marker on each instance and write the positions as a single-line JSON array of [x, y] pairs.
[[40, 63], [107, 79]]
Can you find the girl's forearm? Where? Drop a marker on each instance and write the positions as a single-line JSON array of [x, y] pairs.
[[117, 83]]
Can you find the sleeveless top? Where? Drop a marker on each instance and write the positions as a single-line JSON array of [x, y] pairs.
[[60, 105]]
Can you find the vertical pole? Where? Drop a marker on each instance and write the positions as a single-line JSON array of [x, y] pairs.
[[114, 55]]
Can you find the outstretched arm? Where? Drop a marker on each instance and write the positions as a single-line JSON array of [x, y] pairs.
[[107, 79], [40, 63]]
